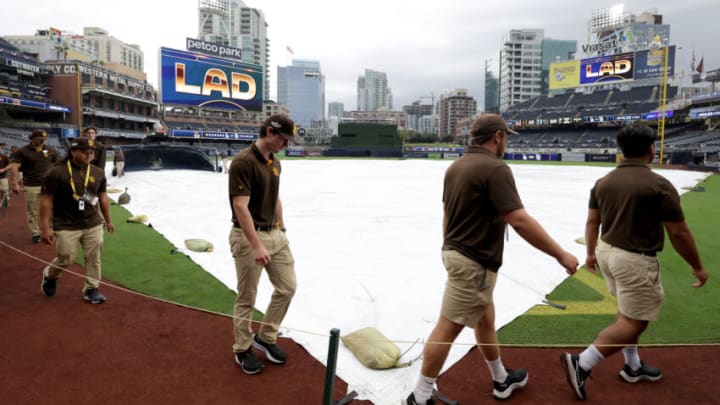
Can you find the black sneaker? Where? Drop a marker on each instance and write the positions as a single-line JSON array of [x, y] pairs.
[[48, 286], [575, 374], [248, 362], [411, 401], [272, 351], [35, 239], [514, 380], [94, 296], [645, 372]]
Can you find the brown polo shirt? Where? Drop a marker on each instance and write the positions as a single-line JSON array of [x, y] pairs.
[[634, 202], [35, 163], [478, 188], [66, 214], [252, 175]]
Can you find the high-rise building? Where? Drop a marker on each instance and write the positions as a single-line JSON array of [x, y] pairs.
[[454, 106], [520, 66], [415, 112], [95, 46], [336, 109], [373, 93], [232, 23], [302, 88], [525, 60], [491, 90]]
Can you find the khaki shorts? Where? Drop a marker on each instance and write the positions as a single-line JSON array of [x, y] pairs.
[[468, 290], [634, 279], [4, 184]]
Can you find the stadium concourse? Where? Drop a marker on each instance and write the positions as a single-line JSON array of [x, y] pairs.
[[134, 350]]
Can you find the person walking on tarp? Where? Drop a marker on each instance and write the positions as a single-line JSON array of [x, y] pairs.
[[632, 204], [34, 159], [119, 161], [74, 194], [257, 241], [480, 198]]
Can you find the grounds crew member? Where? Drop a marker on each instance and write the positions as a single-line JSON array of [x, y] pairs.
[[257, 241], [632, 204], [74, 193], [34, 160], [479, 200]]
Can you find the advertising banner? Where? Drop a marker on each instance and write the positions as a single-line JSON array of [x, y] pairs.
[[188, 78], [564, 74], [650, 63], [610, 68]]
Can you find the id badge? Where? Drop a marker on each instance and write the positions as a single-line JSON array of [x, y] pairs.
[[81, 205]]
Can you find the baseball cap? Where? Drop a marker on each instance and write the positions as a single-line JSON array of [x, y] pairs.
[[82, 143], [282, 125], [488, 124], [38, 133]]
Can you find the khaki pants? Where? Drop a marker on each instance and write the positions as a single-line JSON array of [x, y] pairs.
[[119, 167], [280, 271], [32, 205], [66, 245]]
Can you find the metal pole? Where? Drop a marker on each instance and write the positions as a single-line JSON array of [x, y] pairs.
[[331, 366], [663, 106]]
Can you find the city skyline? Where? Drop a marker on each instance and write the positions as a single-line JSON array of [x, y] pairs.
[[424, 47]]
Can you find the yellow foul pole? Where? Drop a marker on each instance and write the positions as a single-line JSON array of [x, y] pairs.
[[663, 106]]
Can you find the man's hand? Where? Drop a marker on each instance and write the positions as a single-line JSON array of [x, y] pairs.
[[15, 187], [110, 227], [569, 262], [261, 255], [47, 236], [701, 275], [591, 264]]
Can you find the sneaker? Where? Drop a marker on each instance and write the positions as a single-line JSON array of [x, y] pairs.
[[411, 401], [248, 362], [48, 286], [515, 379], [35, 239], [94, 296], [575, 374], [645, 372], [272, 351]]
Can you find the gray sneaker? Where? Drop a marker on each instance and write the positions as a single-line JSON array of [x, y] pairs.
[[645, 372], [94, 296]]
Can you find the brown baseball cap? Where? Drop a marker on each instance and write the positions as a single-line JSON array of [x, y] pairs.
[[488, 124], [283, 125], [38, 133], [82, 143]]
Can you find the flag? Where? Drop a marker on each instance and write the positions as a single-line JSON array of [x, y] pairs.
[[55, 35], [692, 62], [701, 65], [290, 51]]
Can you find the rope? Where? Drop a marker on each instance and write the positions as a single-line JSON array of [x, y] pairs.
[[412, 343]]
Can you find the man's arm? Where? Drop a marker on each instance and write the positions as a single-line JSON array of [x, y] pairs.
[[44, 213], [279, 221], [531, 230], [242, 213], [14, 185], [684, 243], [105, 209], [592, 228]]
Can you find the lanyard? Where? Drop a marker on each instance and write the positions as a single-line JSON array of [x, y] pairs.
[[72, 181]]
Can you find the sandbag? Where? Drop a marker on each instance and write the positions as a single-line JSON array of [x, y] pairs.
[[138, 219], [114, 190], [372, 348], [198, 245]]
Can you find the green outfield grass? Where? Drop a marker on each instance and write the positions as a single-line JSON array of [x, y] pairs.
[[141, 259]]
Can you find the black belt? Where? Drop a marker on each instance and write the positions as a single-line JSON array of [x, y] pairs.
[[650, 253], [260, 228]]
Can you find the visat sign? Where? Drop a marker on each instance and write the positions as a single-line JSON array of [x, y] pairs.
[[239, 86]]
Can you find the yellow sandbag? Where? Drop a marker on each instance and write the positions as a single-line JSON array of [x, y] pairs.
[[372, 348], [114, 190], [581, 240], [138, 219], [198, 245]]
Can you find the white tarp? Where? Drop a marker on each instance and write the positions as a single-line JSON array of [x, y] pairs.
[[366, 237]]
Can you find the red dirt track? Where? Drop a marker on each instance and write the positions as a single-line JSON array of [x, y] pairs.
[[133, 350]]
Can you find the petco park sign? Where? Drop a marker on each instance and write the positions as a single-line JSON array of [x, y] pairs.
[[211, 48]]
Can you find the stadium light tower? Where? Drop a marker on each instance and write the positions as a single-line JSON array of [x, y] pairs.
[[663, 106]]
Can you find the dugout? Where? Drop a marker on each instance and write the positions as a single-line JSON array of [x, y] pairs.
[[366, 140], [163, 156]]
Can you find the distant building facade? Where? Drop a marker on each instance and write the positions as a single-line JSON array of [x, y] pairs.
[[373, 92], [454, 106], [301, 87]]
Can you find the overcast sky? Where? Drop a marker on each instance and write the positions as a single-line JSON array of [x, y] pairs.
[[425, 47]]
